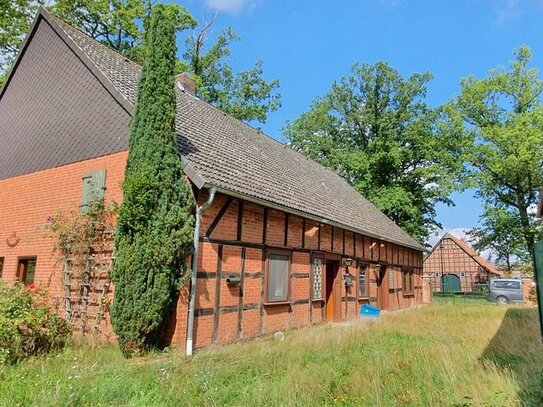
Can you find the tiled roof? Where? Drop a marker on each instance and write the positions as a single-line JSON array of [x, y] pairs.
[[233, 156], [470, 252]]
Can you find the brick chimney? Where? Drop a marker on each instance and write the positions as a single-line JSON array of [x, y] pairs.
[[186, 83]]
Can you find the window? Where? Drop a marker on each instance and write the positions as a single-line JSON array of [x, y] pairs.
[[390, 279], [514, 285], [317, 277], [94, 185], [26, 269], [407, 282], [363, 280], [278, 277], [1, 265], [462, 274]]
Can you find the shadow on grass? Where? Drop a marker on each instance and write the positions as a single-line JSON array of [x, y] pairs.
[[516, 347]]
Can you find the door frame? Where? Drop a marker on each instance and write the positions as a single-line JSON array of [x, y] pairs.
[[332, 302], [382, 287]]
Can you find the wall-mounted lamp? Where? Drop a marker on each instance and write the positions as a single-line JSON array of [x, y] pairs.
[[348, 279], [347, 262]]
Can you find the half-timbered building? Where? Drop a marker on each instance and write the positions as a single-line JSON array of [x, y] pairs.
[[283, 243]]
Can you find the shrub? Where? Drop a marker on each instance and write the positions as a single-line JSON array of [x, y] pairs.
[[28, 324]]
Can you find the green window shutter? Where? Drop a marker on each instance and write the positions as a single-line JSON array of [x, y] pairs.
[[94, 186]]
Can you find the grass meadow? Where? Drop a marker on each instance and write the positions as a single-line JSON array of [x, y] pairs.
[[452, 353]]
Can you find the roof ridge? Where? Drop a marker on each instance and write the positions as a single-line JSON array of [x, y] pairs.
[[235, 168]]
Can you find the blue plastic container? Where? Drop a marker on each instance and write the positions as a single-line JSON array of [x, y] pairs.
[[368, 310]]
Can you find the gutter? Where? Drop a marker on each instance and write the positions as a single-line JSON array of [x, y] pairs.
[[192, 301]]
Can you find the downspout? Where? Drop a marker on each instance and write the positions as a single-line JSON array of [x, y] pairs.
[[192, 301]]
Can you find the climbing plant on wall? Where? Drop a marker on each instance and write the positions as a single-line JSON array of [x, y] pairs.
[[83, 244]]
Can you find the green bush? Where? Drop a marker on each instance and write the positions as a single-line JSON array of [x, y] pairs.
[[28, 324]]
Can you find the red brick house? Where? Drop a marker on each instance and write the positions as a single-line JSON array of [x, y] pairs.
[[280, 242], [452, 265]]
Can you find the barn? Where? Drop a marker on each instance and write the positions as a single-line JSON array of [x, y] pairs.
[[453, 266], [283, 243]]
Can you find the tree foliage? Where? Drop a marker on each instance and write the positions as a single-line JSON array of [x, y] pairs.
[[501, 233], [375, 130], [245, 95], [15, 20], [119, 24], [503, 115], [155, 226]]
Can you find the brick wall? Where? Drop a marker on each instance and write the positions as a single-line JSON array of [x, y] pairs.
[[237, 245], [238, 242]]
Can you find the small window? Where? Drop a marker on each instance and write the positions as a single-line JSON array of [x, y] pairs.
[[317, 277], [390, 279], [462, 274], [1, 265], [278, 277], [26, 271], [436, 274], [363, 280], [407, 283]]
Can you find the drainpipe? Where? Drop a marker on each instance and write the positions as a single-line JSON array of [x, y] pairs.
[[192, 302]]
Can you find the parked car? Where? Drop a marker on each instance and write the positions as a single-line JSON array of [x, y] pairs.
[[505, 291]]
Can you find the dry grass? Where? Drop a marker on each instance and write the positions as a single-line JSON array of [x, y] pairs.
[[463, 354]]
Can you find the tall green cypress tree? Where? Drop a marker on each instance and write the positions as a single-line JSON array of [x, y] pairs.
[[155, 225]]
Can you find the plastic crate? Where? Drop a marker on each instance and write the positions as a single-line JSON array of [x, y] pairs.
[[368, 310]]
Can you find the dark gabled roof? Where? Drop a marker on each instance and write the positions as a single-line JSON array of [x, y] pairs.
[[219, 150], [464, 246]]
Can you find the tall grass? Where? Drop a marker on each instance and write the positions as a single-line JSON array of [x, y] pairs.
[[442, 355]]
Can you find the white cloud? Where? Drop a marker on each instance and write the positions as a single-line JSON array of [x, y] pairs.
[[232, 6], [512, 11]]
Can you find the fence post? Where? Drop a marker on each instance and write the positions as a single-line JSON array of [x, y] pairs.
[[538, 270], [426, 289]]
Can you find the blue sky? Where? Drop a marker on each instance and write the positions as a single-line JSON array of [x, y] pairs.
[[308, 44]]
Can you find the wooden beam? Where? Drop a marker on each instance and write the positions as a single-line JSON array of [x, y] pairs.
[[241, 292], [303, 233], [240, 219], [265, 225], [217, 296], [285, 239], [319, 238], [262, 288], [218, 217]]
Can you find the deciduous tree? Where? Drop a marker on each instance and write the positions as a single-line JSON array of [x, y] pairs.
[[375, 129], [503, 116]]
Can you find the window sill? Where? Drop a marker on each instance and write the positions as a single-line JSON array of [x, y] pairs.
[[409, 294], [317, 300], [277, 303], [365, 298]]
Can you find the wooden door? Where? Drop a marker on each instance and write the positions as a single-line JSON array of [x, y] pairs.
[[382, 288], [333, 295]]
